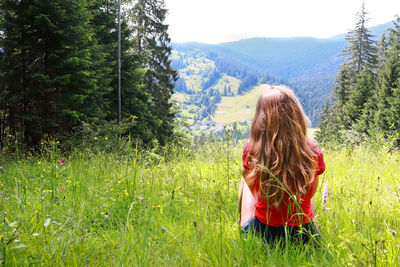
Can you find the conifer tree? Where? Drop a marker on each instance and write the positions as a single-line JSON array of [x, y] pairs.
[[342, 89], [360, 59], [387, 116], [50, 80], [361, 51], [329, 127], [359, 96], [361, 63], [134, 98], [153, 42]]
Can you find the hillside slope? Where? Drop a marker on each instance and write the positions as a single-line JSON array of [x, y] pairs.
[[308, 65]]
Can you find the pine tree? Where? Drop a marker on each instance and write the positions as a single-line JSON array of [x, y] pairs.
[[361, 51], [353, 88], [153, 42], [387, 116], [50, 81], [343, 84], [359, 96], [329, 127], [362, 58]]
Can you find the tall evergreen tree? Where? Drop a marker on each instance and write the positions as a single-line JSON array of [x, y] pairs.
[[329, 127], [341, 91], [50, 80], [388, 101], [134, 98], [362, 92], [362, 58], [153, 42], [361, 51], [358, 69]]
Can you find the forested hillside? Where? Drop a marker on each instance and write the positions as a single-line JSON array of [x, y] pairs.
[[309, 65], [206, 75]]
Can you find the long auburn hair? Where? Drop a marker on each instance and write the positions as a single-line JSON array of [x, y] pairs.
[[280, 153]]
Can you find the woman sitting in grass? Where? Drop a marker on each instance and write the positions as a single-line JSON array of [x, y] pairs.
[[280, 169]]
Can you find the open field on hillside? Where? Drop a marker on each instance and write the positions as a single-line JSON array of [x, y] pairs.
[[179, 207], [226, 81], [238, 108]]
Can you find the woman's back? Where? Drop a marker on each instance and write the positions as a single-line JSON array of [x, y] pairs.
[[280, 163]]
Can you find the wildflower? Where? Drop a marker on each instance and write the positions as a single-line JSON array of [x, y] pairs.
[[59, 163], [95, 138], [62, 188], [158, 206], [325, 195], [106, 138], [126, 192], [154, 206], [163, 229], [39, 162], [393, 233]]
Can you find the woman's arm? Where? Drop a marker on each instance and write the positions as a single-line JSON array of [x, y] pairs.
[[246, 202], [315, 190]]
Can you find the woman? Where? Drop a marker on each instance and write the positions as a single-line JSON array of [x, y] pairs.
[[280, 170]]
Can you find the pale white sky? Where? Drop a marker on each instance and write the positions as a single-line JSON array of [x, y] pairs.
[[215, 21]]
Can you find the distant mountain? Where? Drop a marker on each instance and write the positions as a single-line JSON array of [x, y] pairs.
[[309, 65]]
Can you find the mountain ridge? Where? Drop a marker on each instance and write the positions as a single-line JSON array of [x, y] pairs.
[[307, 64]]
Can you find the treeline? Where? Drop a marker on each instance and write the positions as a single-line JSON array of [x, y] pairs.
[[366, 98], [206, 101], [58, 68]]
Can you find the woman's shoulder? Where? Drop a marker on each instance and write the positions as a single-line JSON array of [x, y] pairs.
[[320, 158], [315, 147], [246, 147]]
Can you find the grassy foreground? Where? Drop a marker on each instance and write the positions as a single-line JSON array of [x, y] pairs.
[[180, 207]]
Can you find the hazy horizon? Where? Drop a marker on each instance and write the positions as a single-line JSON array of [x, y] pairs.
[[215, 22]]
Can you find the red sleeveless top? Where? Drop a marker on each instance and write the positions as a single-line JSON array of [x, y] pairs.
[[286, 214]]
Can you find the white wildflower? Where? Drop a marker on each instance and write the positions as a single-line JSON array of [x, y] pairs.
[[325, 194]]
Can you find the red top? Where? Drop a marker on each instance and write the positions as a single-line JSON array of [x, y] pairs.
[[289, 214]]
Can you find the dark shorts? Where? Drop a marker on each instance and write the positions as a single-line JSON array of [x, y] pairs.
[[302, 234]]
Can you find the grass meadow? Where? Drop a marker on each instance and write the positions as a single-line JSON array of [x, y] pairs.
[[238, 108], [178, 206]]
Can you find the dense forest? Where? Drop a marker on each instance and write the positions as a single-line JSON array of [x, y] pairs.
[[366, 99], [59, 71]]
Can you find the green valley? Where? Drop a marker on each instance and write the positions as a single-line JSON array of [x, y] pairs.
[[239, 108]]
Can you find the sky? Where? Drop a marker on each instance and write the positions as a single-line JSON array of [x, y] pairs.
[[216, 21]]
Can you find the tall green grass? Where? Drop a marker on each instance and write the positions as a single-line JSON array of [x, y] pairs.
[[178, 205]]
